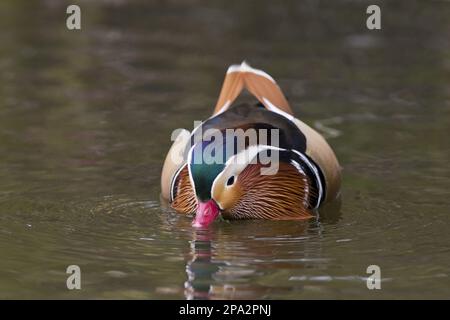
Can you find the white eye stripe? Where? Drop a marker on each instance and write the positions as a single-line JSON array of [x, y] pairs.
[[247, 155], [239, 162]]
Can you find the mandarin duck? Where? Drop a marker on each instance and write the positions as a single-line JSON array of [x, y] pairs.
[[209, 174]]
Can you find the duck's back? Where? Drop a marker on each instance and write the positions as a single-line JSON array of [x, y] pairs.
[[293, 135]]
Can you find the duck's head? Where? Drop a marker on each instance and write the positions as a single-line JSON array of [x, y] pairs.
[[206, 164], [229, 185]]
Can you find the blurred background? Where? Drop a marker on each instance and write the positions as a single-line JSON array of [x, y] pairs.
[[86, 118]]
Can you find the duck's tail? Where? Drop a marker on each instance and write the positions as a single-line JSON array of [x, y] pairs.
[[259, 83]]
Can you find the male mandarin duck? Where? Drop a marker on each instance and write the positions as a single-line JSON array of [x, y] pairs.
[[307, 172]]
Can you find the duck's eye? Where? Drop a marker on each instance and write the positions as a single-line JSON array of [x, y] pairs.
[[230, 181]]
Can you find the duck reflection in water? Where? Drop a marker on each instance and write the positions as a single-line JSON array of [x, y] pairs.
[[236, 260], [200, 269]]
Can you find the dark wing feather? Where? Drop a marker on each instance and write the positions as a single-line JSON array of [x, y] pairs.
[[250, 116]]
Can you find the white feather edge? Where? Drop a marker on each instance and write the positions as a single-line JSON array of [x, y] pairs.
[[189, 168], [316, 174], [245, 67], [223, 108], [275, 109]]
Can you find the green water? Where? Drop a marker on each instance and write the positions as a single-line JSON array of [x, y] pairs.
[[85, 123]]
